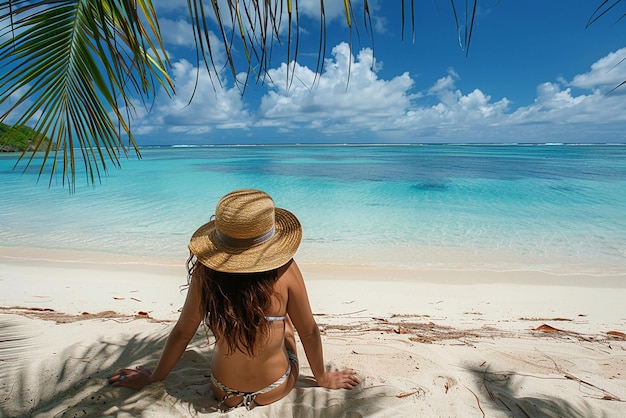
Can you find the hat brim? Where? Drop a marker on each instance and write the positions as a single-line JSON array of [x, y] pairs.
[[206, 245]]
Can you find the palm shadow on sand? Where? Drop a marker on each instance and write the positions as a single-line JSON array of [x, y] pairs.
[[501, 391], [73, 383]]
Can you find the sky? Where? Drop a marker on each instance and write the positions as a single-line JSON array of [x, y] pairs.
[[534, 72]]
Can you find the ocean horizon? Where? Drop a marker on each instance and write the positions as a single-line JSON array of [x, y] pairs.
[[549, 207]]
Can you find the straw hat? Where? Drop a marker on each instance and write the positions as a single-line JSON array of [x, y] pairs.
[[247, 235]]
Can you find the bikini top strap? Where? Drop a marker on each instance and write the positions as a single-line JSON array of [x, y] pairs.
[[275, 318]]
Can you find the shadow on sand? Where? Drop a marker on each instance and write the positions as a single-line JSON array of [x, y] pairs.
[[73, 382], [501, 390]]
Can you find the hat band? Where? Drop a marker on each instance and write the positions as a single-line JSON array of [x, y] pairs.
[[233, 242]]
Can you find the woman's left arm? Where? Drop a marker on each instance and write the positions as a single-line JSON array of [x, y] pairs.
[[181, 334]]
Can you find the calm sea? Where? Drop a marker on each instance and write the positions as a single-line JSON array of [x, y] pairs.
[[557, 208]]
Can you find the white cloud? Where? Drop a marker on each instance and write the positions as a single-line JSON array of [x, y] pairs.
[[213, 106], [346, 96], [444, 83], [590, 113], [454, 111], [389, 107], [455, 108], [607, 72], [550, 96], [178, 32], [558, 106]]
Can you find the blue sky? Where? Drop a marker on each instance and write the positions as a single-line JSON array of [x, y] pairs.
[[534, 73]]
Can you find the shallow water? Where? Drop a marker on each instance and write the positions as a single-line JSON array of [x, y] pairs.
[[558, 208]]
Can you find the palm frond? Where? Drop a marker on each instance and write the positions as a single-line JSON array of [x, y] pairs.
[[73, 62], [605, 7], [470, 17]]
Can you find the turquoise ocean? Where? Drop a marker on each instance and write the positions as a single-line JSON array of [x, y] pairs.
[[555, 208]]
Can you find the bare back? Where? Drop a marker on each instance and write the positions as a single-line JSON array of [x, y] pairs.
[[244, 373]]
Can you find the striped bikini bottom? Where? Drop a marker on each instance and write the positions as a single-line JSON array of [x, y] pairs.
[[248, 397]]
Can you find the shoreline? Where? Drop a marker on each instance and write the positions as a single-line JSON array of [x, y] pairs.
[[73, 284], [347, 270]]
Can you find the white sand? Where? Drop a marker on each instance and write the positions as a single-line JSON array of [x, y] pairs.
[[425, 343]]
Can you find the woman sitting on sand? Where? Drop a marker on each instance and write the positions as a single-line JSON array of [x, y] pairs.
[[249, 291]]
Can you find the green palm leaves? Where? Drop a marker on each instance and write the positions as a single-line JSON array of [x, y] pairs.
[[74, 68]]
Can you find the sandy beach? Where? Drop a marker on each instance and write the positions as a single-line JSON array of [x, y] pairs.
[[430, 343]]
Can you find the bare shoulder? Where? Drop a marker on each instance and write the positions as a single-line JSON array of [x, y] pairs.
[[298, 305], [290, 277], [290, 274]]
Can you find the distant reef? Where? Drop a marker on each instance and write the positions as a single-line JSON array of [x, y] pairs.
[[18, 141]]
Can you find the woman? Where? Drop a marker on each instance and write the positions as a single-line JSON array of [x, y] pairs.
[[245, 285]]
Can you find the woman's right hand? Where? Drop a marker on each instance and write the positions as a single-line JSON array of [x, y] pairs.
[[135, 378], [345, 379]]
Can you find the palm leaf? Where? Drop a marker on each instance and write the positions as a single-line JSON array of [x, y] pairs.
[[470, 16], [605, 7], [71, 63]]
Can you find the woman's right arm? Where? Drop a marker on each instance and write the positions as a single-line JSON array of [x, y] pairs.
[[299, 310], [179, 337]]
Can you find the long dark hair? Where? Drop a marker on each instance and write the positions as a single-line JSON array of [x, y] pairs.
[[235, 305]]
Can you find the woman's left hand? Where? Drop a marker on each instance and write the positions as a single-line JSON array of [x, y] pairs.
[[135, 378], [345, 379]]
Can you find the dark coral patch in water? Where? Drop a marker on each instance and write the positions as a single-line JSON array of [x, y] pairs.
[[430, 186]]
